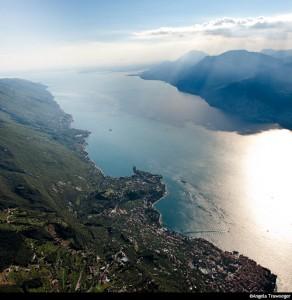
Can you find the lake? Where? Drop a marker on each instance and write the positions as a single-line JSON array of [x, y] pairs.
[[228, 181]]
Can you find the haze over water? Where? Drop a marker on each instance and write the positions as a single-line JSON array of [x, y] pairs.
[[231, 188]]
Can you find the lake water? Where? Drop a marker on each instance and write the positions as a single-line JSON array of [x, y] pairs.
[[228, 181]]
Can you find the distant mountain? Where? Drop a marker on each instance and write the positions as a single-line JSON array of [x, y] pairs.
[[216, 71], [284, 55], [255, 86], [170, 71], [126, 68], [277, 53]]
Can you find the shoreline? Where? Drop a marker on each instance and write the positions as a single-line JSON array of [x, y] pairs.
[[99, 169], [154, 203]]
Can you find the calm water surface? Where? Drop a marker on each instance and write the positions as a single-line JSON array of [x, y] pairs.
[[225, 185]]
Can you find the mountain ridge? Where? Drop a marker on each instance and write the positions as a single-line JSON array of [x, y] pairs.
[[237, 81]]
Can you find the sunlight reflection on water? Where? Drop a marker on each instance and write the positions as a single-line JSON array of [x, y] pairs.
[[268, 166]]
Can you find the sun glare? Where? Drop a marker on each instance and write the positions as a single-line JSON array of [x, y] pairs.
[[268, 167]]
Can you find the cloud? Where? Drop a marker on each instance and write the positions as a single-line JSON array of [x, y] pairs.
[[150, 46], [225, 27]]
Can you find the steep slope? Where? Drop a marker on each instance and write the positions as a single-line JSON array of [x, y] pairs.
[[284, 55], [65, 227], [262, 99], [170, 71], [217, 71]]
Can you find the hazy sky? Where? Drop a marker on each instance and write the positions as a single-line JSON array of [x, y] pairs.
[[36, 34]]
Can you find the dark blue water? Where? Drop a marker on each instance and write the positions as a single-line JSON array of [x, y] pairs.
[[228, 187]]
